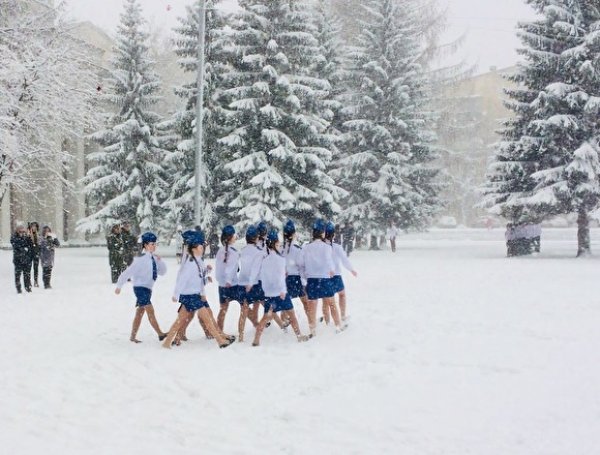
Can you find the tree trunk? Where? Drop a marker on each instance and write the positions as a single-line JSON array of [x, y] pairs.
[[583, 234]]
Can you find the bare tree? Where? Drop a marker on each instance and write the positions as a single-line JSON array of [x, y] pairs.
[[47, 88]]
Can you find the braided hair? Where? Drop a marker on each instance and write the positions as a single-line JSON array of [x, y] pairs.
[[270, 244], [225, 242], [288, 238]]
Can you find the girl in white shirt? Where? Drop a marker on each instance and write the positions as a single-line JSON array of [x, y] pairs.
[[143, 272], [189, 291], [250, 290], [227, 263], [295, 279], [272, 276], [340, 259], [319, 268]]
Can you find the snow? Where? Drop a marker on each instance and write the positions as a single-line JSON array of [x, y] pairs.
[[452, 349]]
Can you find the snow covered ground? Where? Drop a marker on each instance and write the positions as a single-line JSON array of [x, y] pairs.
[[452, 349]]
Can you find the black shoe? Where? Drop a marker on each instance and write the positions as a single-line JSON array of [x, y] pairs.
[[231, 338], [28, 289], [48, 287], [229, 343], [162, 337], [19, 291]]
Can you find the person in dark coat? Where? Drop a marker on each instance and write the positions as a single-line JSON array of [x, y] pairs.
[[34, 233], [114, 242], [130, 246], [22, 255], [48, 243], [213, 242], [348, 235]]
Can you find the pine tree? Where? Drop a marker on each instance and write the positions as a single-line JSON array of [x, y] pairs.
[[388, 169], [126, 180], [279, 163], [330, 67], [215, 122], [547, 162]]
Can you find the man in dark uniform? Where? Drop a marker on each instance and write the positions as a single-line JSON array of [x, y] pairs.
[[213, 242], [130, 245], [22, 255], [348, 238], [114, 242]]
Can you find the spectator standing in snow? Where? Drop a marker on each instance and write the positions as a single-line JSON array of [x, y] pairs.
[[34, 233], [143, 272], [130, 246], [392, 233], [213, 244], [537, 237], [178, 242], [48, 243], [22, 254], [114, 243], [348, 235], [509, 236]]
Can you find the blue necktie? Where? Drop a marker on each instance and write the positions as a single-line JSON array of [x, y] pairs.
[[154, 271]]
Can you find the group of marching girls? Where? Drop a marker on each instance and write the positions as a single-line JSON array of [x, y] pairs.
[[265, 272]]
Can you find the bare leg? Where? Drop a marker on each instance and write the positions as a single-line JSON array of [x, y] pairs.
[[261, 326], [204, 328], [182, 330], [312, 316], [244, 309], [253, 313], [326, 312], [153, 322], [179, 322], [279, 321], [222, 313], [291, 316], [214, 321], [342, 303], [137, 320], [304, 301], [330, 302], [205, 315]]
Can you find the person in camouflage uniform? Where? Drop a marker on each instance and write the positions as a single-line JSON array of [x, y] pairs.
[[114, 242], [130, 245]]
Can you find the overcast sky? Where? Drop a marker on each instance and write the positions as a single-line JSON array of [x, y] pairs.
[[489, 24]]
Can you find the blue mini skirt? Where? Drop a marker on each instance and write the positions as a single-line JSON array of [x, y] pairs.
[[229, 294], [294, 286], [319, 288], [256, 294], [278, 304], [142, 295], [192, 302], [337, 284]]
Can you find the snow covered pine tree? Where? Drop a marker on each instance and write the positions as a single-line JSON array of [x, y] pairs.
[[126, 179], [279, 164], [547, 162], [388, 168], [181, 163]]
